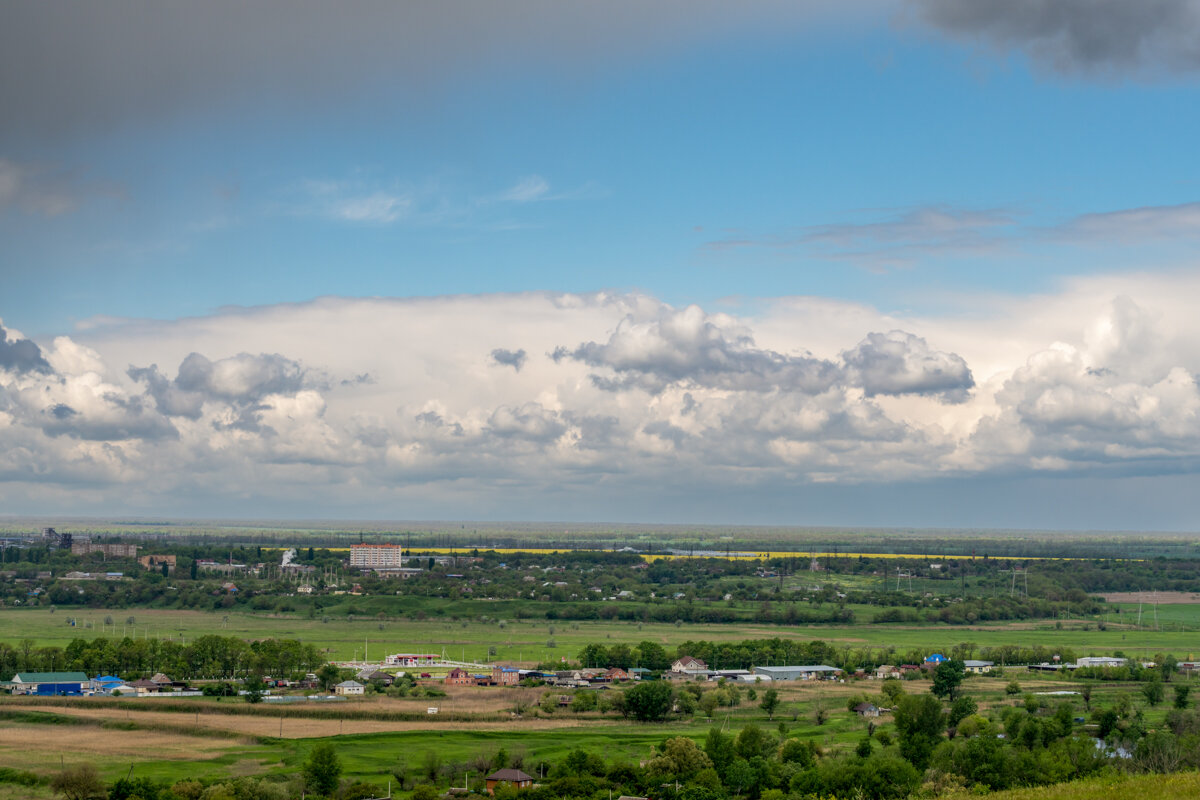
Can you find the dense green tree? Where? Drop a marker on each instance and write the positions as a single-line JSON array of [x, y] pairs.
[[1107, 722], [652, 656], [322, 769], [960, 709], [680, 759], [720, 750], [135, 789], [1153, 691], [752, 742], [919, 726], [649, 701], [254, 687], [947, 679], [770, 702], [329, 676], [801, 753]]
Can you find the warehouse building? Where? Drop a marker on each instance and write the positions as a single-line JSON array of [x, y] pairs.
[[48, 683], [807, 672]]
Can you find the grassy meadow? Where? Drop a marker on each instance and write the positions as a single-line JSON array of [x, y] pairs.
[[528, 641]]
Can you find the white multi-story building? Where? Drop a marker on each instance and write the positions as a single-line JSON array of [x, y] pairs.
[[376, 555]]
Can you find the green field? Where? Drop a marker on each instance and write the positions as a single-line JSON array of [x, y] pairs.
[[527, 640]]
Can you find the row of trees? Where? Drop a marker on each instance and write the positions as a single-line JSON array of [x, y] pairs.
[[205, 657]]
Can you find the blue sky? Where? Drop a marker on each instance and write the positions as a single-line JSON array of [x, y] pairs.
[[939, 167]]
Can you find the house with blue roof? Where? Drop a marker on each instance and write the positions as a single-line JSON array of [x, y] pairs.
[[103, 684], [935, 659]]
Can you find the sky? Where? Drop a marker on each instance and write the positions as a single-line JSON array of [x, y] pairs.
[[912, 263]]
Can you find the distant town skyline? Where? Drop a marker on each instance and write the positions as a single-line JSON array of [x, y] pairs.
[[914, 263]]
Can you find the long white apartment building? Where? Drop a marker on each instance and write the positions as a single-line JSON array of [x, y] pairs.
[[376, 555]]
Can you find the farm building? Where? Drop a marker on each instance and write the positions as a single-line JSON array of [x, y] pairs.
[[515, 777], [807, 672], [48, 683], [867, 710], [1100, 661]]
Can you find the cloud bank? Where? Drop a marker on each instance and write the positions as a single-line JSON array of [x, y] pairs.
[[396, 404]]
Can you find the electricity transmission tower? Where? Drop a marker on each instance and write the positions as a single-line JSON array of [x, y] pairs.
[[1024, 573]]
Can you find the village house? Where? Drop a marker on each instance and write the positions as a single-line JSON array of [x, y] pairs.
[[505, 676], [688, 664], [887, 671], [511, 776], [347, 688], [145, 687], [867, 710], [459, 677], [978, 667], [617, 674], [371, 675]]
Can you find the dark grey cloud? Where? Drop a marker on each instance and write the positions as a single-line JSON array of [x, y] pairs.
[[362, 379], [509, 358], [432, 419], [689, 347], [666, 431], [240, 380], [168, 397], [69, 68], [248, 419], [596, 431], [901, 363], [21, 355], [240, 377], [111, 417], [530, 422], [62, 411], [1105, 37]]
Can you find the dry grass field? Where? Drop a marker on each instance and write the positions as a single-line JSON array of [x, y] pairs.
[[289, 727], [33, 746]]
